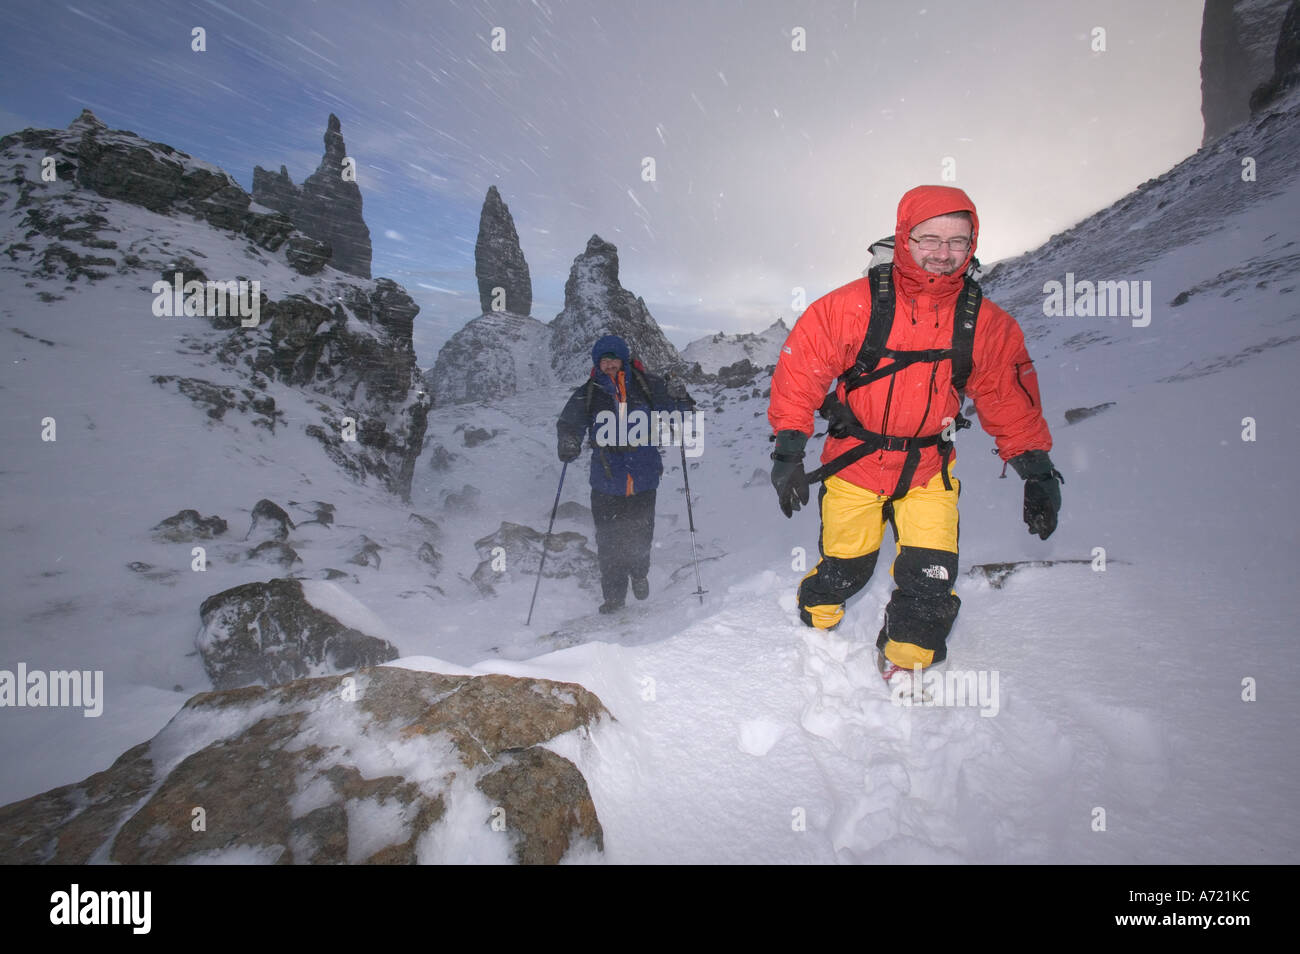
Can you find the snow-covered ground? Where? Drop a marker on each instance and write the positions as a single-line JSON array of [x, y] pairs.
[[740, 734]]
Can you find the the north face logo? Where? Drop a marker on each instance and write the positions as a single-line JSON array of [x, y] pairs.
[[936, 572]]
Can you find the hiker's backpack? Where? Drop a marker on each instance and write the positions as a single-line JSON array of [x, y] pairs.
[[865, 369]]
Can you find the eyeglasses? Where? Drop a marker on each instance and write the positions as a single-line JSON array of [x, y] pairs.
[[931, 243]]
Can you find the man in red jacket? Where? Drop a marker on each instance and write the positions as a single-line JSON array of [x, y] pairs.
[[897, 418]]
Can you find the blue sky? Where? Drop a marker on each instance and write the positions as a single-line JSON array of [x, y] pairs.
[[774, 167]]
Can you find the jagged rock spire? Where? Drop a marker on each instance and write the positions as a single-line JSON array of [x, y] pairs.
[[596, 304], [499, 261], [88, 120], [327, 207]]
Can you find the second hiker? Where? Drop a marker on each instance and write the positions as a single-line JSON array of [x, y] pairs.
[[615, 410]]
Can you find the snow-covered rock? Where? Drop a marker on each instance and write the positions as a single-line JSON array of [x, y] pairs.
[[495, 355], [514, 552], [187, 526], [273, 633], [382, 766]]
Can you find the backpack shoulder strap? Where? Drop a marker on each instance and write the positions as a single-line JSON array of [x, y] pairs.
[[638, 375], [881, 281], [963, 333]]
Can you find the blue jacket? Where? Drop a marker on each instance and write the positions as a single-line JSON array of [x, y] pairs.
[[618, 470]]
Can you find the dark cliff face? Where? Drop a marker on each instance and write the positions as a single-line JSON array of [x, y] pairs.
[[1239, 40], [275, 190], [504, 284], [326, 207], [1286, 62], [1225, 82]]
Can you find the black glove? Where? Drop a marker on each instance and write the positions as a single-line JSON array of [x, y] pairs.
[[838, 417], [788, 478], [1042, 491], [570, 447]]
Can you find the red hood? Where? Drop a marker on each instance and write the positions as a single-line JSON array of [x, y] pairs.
[[921, 203]]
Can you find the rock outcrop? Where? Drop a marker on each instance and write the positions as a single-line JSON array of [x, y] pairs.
[[595, 304], [117, 164], [275, 190], [327, 207], [382, 766], [738, 375], [499, 265], [503, 351], [358, 351], [348, 340]]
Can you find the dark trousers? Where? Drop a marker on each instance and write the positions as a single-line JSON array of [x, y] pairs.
[[625, 527]]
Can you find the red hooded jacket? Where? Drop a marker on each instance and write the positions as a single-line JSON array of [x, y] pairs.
[[826, 339]]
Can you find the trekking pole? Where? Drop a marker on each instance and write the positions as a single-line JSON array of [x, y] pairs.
[[554, 508], [690, 518]]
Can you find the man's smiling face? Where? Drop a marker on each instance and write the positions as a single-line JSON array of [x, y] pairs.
[[950, 229]]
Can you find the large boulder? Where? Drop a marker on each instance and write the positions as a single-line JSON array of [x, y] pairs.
[[307, 255], [383, 765], [275, 632]]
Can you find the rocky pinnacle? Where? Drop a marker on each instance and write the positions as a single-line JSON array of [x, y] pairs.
[[503, 280]]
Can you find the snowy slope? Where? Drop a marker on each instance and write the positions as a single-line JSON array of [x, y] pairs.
[[1118, 690]]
